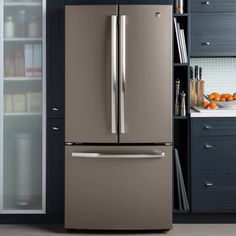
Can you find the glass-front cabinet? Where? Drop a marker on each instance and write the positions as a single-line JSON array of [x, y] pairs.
[[22, 106]]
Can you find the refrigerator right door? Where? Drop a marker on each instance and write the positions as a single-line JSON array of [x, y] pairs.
[[145, 75]]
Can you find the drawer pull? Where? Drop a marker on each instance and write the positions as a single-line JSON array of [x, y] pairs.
[[206, 3], [207, 127], [154, 155], [208, 184], [208, 146], [55, 109], [206, 43], [55, 128]]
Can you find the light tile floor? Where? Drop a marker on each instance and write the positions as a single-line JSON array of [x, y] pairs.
[[178, 230]]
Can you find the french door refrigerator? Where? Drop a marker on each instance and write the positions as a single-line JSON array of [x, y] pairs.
[[118, 117]]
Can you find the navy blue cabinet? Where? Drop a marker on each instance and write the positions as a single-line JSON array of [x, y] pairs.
[[212, 5], [55, 169], [213, 34], [213, 164], [55, 59]]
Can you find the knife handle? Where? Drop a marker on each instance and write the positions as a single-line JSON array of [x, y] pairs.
[[196, 72], [200, 73], [191, 72]]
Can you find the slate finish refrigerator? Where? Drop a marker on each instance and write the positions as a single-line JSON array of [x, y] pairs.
[[118, 117]]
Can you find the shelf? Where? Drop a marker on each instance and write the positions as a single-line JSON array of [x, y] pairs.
[[179, 15], [22, 39], [180, 117], [23, 114], [180, 212], [22, 78], [181, 64], [25, 4]]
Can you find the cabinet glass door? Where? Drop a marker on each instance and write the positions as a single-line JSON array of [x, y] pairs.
[[22, 104]]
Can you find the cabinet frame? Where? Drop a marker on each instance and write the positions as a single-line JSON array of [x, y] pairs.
[[43, 177]]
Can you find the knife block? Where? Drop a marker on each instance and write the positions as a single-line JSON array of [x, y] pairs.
[[193, 93], [200, 92]]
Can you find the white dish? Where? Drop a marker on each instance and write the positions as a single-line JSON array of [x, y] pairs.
[[227, 104]]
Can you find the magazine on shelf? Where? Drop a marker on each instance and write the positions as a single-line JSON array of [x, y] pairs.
[[181, 42], [178, 40], [182, 195]]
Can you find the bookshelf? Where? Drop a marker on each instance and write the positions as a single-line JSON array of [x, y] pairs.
[[182, 123]]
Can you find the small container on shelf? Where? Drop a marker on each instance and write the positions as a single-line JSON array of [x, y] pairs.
[[21, 23], [9, 27], [34, 28], [9, 65], [19, 63], [179, 6]]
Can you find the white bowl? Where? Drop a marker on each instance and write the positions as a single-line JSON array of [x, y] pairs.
[[227, 104]]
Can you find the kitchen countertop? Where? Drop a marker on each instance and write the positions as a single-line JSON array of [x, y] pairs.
[[213, 113]]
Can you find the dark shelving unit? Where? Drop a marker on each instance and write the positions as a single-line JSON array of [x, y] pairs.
[[182, 124]]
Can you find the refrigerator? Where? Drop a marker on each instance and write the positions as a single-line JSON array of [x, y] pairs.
[[118, 117]]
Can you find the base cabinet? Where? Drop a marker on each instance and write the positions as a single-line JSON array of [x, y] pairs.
[[55, 169], [213, 161]]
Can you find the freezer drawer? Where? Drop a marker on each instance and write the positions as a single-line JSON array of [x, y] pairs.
[[118, 187]]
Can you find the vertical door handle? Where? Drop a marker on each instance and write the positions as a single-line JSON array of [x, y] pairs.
[[122, 72], [113, 72]]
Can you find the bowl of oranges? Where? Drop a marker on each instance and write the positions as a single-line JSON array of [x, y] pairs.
[[225, 100]]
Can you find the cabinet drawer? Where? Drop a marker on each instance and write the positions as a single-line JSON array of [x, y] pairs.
[[108, 192], [213, 155], [213, 34], [211, 127], [213, 193], [213, 6]]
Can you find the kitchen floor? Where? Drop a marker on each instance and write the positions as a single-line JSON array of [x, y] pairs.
[[178, 230]]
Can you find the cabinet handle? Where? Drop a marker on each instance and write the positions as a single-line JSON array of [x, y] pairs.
[[208, 184], [208, 146], [206, 43], [207, 127], [55, 128], [55, 109], [206, 3]]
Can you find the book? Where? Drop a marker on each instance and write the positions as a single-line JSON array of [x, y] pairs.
[[29, 66], [178, 40], [178, 185], [34, 102], [185, 56], [19, 104], [182, 194], [8, 106], [37, 60], [181, 42]]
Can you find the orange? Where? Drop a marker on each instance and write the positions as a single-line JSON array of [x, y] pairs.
[[212, 105], [211, 96], [230, 98], [223, 99], [226, 95], [205, 104], [217, 97], [234, 96], [216, 94]]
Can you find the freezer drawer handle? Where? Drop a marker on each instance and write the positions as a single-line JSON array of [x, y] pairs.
[[122, 74], [154, 155], [113, 72]]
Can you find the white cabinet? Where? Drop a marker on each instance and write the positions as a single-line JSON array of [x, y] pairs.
[[22, 106]]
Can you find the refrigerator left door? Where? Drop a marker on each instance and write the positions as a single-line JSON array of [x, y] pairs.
[[22, 106], [91, 73]]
